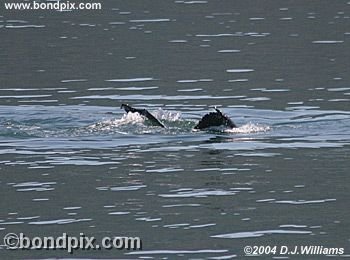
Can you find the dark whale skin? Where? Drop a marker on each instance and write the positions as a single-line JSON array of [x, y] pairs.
[[213, 119], [142, 112]]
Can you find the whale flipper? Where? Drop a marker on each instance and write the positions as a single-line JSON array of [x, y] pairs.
[[214, 119], [142, 112]]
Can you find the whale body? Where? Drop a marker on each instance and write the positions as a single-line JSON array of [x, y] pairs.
[[212, 119]]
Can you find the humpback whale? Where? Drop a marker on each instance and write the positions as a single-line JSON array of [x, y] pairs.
[[212, 119]]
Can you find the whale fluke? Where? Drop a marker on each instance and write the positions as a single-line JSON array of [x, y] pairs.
[[215, 119], [142, 112]]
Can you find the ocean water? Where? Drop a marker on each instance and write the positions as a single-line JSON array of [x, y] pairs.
[[71, 161]]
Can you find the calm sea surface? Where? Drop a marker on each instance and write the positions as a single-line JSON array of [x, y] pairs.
[[71, 161]]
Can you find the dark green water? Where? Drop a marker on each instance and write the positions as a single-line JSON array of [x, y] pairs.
[[71, 161]]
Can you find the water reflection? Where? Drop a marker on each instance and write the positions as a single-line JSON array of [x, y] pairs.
[[71, 159]]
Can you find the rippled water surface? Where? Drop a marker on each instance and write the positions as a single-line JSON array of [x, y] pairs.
[[72, 161]]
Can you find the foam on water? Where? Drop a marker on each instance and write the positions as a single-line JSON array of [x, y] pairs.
[[248, 128], [167, 115], [173, 122], [127, 119], [137, 124]]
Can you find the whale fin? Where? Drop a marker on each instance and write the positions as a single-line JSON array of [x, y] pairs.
[[215, 119], [142, 112]]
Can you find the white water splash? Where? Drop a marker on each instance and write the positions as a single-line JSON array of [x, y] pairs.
[[248, 128], [129, 118], [138, 121], [167, 115]]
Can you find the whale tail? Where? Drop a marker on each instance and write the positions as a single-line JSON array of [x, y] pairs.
[[142, 112], [215, 119]]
